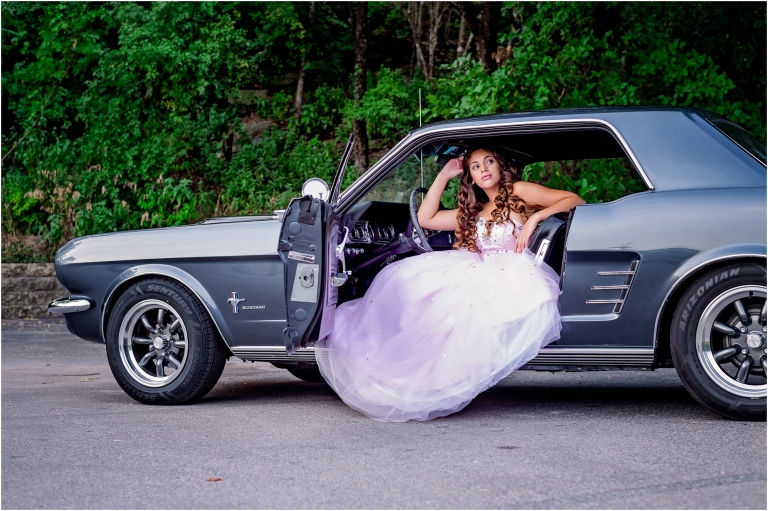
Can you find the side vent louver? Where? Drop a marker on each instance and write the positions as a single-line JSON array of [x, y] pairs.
[[624, 288]]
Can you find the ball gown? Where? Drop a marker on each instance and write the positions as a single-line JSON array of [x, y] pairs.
[[435, 330]]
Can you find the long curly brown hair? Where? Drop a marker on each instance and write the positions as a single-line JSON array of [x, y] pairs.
[[472, 198]]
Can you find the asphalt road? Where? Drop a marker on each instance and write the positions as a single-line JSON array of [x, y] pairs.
[[72, 439]]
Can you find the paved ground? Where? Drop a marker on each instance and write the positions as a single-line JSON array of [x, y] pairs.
[[72, 439]]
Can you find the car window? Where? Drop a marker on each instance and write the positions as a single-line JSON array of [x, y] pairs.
[[741, 137], [420, 169], [594, 180], [589, 162]]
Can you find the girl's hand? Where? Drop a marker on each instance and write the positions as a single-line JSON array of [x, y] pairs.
[[525, 234], [452, 168]]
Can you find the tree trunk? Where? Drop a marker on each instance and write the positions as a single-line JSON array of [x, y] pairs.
[[298, 102], [436, 12], [460, 43], [360, 20], [483, 19], [414, 14]]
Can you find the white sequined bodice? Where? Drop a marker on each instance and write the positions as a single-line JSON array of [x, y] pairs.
[[502, 238]]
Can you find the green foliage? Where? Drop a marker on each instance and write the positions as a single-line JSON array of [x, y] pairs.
[[265, 176], [559, 61], [593, 180], [388, 106], [129, 115]]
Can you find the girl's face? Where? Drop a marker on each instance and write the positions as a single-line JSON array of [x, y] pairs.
[[484, 169]]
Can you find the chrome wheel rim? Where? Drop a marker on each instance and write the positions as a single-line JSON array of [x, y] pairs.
[[731, 341], [153, 343]]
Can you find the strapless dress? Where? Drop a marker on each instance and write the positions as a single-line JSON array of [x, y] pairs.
[[436, 329]]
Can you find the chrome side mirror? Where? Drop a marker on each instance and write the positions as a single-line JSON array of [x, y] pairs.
[[316, 187]]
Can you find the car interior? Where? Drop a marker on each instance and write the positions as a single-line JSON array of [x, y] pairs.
[[380, 227]]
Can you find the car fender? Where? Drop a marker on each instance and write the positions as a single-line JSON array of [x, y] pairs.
[[133, 273], [685, 274]]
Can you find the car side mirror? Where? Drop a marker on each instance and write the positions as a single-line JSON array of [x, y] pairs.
[[316, 188]]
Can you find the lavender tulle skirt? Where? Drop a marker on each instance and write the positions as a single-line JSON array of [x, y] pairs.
[[435, 330]]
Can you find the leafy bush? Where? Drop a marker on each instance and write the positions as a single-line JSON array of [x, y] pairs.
[[128, 115]]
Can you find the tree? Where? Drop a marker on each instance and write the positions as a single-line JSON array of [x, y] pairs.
[[360, 25], [414, 14], [483, 19], [305, 49], [436, 12]]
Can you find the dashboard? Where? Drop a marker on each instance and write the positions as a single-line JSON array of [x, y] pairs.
[[372, 232], [373, 225]]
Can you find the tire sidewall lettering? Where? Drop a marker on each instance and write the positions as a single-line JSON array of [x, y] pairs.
[[177, 299], [693, 298]]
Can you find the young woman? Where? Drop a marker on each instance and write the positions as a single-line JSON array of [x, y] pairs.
[[435, 330]]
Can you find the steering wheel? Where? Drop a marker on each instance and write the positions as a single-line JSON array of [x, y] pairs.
[[422, 242]]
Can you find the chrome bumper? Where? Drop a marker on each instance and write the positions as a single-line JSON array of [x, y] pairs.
[[66, 305]]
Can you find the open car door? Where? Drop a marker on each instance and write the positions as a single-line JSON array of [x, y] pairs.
[[311, 247]]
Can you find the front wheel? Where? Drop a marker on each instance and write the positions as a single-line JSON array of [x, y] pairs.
[[718, 340], [161, 344]]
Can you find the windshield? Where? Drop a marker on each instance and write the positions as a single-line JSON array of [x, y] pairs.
[[419, 170], [741, 137]]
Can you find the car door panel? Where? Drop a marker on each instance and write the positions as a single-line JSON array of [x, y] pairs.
[[301, 248]]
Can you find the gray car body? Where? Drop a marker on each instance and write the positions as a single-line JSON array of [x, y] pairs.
[[705, 204]]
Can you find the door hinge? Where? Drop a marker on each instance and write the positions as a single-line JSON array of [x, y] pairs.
[[289, 334]]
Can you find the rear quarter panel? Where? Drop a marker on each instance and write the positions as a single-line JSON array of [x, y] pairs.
[[669, 232]]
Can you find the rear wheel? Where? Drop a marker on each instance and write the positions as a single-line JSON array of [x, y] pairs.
[[718, 340], [307, 371], [161, 344]]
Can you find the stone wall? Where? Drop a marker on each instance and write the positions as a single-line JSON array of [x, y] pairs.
[[27, 289]]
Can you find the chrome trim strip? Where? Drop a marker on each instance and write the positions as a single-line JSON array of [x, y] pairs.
[[589, 317], [618, 300], [429, 133], [599, 288], [559, 356], [681, 279], [67, 305], [594, 356], [273, 354], [620, 272]]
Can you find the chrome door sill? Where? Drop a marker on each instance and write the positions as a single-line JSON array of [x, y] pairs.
[[636, 357]]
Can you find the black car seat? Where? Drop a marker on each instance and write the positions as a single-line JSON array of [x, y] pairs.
[[548, 240]]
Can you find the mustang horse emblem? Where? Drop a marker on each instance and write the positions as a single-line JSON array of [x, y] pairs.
[[235, 301]]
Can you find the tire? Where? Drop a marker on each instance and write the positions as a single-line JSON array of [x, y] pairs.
[[308, 372], [190, 353], [718, 340]]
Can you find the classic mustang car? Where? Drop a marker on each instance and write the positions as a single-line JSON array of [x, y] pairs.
[[671, 274]]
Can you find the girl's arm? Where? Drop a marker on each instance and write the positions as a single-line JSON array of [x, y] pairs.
[[429, 216], [552, 201]]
